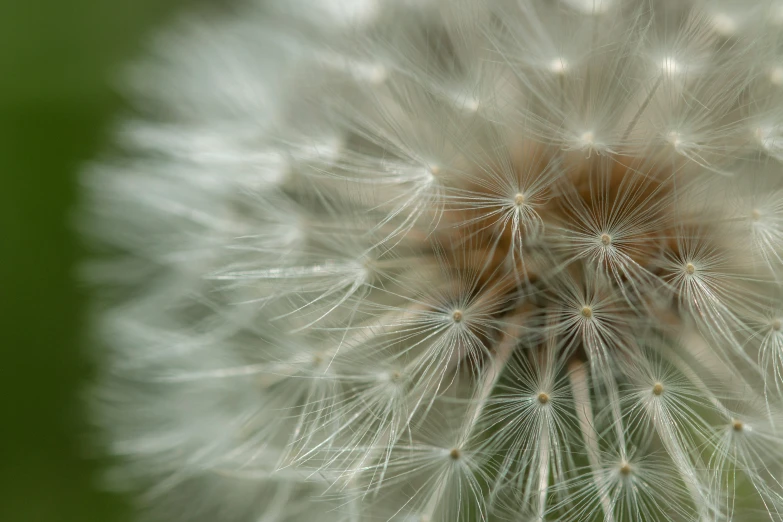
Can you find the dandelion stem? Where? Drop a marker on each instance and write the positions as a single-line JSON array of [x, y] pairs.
[[503, 352], [577, 374], [543, 474], [643, 107]]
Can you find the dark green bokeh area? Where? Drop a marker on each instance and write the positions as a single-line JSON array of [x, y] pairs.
[[57, 62]]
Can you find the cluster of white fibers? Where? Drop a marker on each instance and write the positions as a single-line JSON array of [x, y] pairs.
[[445, 261]]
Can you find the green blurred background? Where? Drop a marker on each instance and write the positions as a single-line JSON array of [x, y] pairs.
[[57, 61]]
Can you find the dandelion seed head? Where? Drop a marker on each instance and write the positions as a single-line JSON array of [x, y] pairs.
[[370, 72], [669, 66], [470, 103], [344, 12], [590, 6], [776, 13], [769, 137], [675, 138], [446, 261], [776, 75], [558, 66], [587, 139], [724, 24]]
